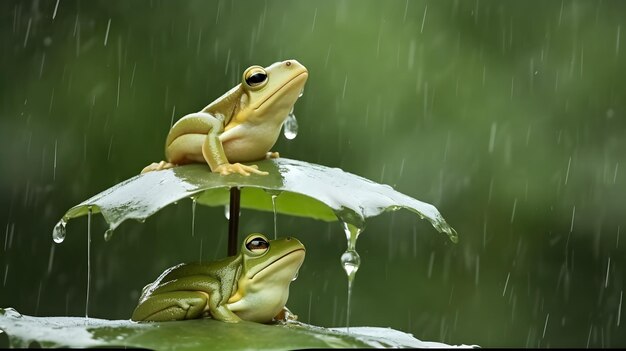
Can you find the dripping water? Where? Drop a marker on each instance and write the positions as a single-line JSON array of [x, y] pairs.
[[88, 262], [108, 234], [273, 195], [193, 215], [58, 233], [290, 127], [274, 209], [350, 260]]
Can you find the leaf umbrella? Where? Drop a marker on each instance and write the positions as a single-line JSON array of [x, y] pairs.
[[292, 187]]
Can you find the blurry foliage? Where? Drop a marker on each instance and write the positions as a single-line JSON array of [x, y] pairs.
[[508, 116]]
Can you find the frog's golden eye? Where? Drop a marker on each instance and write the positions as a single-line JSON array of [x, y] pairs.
[[255, 77], [257, 244]]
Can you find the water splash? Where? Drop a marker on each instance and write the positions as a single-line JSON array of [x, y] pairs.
[[10, 312], [58, 233], [350, 261], [193, 215], [290, 127]]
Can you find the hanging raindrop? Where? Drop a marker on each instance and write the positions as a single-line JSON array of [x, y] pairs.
[[350, 261], [58, 233], [227, 212], [290, 127], [108, 234]]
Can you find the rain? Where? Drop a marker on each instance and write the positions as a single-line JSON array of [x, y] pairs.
[[509, 117]]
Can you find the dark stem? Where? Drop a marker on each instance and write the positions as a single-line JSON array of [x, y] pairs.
[[233, 222]]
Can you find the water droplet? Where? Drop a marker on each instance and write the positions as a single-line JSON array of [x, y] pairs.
[[295, 276], [290, 127], [350, 260], [58, 233], [227, 212], [108, 234], [301, 93]]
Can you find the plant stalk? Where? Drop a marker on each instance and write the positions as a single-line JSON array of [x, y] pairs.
[[233, 220]]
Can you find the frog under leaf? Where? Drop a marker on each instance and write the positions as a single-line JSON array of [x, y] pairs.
[[253, 285]]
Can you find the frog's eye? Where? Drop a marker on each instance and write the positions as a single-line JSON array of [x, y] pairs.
[[255, 77], [257, 244]]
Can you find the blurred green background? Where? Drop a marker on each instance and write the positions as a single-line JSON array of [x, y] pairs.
[[508, 116]]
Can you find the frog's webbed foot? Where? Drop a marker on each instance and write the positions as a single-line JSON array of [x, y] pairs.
[[157, 166], [228, 168], [285, 315], [271, 154]]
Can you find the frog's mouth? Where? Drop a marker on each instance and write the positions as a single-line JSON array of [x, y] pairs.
[[297, 254], [302, 76]]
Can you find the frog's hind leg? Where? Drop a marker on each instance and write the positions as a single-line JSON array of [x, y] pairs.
[[175, 305], [157, 166]]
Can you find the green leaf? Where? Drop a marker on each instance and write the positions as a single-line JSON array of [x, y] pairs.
[[301, 189], [198, 334]]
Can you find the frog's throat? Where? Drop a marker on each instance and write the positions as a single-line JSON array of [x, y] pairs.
[[276, 260], [303, 72]]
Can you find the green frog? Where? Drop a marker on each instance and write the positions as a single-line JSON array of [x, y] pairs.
[[253, 285], [240, 126]]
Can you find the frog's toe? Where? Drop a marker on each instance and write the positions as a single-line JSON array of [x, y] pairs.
[[253, 169], [271, 154], [285, 315], [244, 170], [157, 166]]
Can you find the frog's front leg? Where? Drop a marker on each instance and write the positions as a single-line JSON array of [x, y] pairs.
[[174, 305], [213, 152]]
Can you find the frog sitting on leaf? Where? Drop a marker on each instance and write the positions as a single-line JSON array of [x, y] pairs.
[[253, 285], [240, 126]]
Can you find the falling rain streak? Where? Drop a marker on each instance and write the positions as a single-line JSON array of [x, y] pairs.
[[106, 35]]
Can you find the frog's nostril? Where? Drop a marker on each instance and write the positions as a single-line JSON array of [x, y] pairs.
[[288, 63]]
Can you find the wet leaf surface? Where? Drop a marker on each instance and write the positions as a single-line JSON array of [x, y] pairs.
[[199, 334], [304, 189]]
